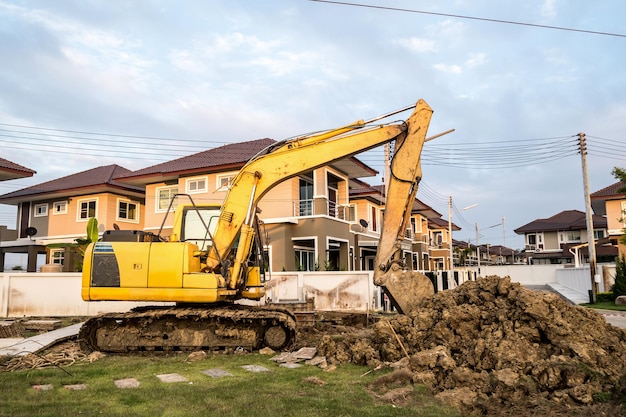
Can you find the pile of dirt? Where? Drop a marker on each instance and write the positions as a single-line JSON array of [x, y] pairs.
[[493, 343]]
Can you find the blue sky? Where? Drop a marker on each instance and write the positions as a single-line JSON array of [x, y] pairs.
[[199, 74]]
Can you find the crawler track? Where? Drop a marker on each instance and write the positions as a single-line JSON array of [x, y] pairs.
[[188, 329]]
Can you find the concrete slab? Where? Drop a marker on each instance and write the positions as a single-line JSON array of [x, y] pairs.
[[255, 368], [75, 387], [41, 341], [216, 373], [46, 387], [290, 365], [127, 383], [317, 361], [10, 341], [285, 357], [170, 378], [306, 353], [573, 296], [42, 325]]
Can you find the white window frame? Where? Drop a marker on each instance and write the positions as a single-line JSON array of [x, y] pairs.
[[40, 210], [219, 181], [79, 209], [191, 185], [173, 190], [128, 202], [57, 256], [62, 205]]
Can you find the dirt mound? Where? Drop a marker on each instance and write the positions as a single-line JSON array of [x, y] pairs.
[[494, 342]]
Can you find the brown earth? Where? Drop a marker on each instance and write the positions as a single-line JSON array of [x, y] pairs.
[[492, 347]]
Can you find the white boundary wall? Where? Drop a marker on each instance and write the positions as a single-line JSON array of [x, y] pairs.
[[58, 294], [40, 294], [331, 290]]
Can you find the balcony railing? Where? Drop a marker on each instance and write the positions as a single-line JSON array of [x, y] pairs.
[[333, 209]]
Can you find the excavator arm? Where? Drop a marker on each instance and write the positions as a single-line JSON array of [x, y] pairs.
[[404, 287], [291, 157]]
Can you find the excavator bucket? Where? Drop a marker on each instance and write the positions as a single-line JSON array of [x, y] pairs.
[[404, 287]]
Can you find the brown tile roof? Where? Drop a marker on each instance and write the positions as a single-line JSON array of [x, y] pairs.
[[439, 223], [228, 157], [10, 170], [611, 192], [565, 220], [93, 180]]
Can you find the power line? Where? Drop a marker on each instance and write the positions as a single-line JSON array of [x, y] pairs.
[[89, 133], [484, 19]]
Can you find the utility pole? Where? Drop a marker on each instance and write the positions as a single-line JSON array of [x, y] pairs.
[[590, 235], [450, 234], [477, 249]]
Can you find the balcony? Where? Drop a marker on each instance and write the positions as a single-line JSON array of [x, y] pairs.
[[345, 212]]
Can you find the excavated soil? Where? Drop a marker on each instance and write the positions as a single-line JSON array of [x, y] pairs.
[[492, 347]]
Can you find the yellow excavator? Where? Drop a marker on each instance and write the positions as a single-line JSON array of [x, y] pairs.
[[214, 255]]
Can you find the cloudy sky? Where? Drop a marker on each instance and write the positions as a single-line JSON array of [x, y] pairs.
[[90, 83]]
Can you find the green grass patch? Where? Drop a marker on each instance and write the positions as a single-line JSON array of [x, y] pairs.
[[605, 305], [305, 391]]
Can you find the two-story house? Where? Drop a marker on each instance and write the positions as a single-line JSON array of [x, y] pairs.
[[307, 219], [11, 171], [324, 219], [557, 239], [426, 244], [611, 203], [57, 212]]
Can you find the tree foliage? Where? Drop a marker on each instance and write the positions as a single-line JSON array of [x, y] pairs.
[[619, 288]]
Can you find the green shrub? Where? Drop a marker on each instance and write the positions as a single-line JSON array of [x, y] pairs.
[[605, 297], [619, 288]]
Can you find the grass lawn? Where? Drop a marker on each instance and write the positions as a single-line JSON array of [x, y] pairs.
[[605, 305], [305, 391]]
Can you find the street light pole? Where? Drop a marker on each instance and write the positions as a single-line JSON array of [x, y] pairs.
[[477, 249]]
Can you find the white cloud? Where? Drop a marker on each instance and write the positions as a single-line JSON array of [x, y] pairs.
[[414, 44], [475, 60], [450, 69], [548, 8]]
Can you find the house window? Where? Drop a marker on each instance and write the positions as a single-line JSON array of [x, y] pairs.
[[305, 259], [373, 219], [57, 256], [197, 185], [306, 197], [534, 241], [87, 209], [573, 236], [224, 182], [41, 210], [164, 196], [127, 211], [59, 207], [304, 250], [437, 239], [598, 234]]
